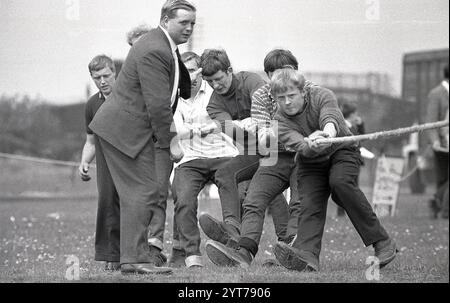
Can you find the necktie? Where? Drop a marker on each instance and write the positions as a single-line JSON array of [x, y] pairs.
[[176, 77]]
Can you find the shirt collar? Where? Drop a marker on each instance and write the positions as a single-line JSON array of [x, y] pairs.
[[445, 85], [173, 46], [202, 86]]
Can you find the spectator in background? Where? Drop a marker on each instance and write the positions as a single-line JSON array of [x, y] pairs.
[[107, 235], [136, 33], [438, 111], [352, 118]]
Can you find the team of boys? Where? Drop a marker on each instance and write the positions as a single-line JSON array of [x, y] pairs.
[[231, 127]]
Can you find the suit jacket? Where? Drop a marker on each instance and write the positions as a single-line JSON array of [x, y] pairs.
[[437, 111], [139, 105]]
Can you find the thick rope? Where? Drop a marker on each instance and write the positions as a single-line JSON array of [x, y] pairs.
[[41, 160], [385, 134]]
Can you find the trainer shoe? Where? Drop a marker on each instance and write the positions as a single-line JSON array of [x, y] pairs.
[[194, 261], [219, 231], [177, 258], [225, 256], [291, 258], [385, 251], [157, 258]]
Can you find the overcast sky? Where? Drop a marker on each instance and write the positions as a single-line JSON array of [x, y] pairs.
[[47, 44]]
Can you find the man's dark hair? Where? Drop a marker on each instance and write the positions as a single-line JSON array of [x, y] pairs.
[[214, 60], [446, 72], [279, 58], [100, 62], [347, 108], [171, 7]]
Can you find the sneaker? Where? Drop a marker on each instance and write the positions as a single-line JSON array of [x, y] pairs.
[[177, 258], [194, 261], [219, 231], [225, 256], [157, 258], [291, 258], [385, 251]]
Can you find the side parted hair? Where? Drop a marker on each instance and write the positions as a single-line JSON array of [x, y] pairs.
[[137, 32], [188, 56], [285, 78], [279, 58], [100, 62], [170, 8], [214, 60]]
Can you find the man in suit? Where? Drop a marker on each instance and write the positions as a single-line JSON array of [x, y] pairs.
[[438, 111], [138, 113]]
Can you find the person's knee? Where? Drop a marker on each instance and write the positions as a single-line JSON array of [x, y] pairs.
[[224, 175], [338, 182]]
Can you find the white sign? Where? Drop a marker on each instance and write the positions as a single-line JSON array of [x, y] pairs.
[[387, 185]]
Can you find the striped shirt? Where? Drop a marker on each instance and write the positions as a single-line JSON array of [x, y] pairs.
[[264, 108]]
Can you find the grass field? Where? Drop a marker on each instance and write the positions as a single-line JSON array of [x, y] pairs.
[[37, 236]]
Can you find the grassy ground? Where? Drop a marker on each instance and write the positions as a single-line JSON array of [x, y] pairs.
[[37, 236]]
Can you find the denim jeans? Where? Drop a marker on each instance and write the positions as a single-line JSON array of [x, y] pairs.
[[338, 175], [242, 168], [189, 180], [267, 183]]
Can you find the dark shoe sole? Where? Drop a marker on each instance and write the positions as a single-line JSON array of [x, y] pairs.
[[212, 229], [219, 256], [388, 260], [269, 263], [138, 272], [289, 258]]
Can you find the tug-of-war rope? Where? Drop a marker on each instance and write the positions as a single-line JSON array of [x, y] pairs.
[[372, 136], [386, 133]]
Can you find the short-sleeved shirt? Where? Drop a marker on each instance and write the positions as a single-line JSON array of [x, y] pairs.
[[92, 107]]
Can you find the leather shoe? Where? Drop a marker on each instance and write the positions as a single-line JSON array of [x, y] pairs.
[[219, 231], [226, 256], [385, 251], [112, 266], [294, 259], [157, 258], [144, 269]]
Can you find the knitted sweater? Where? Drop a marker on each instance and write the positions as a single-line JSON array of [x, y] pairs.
[[320, 108]]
